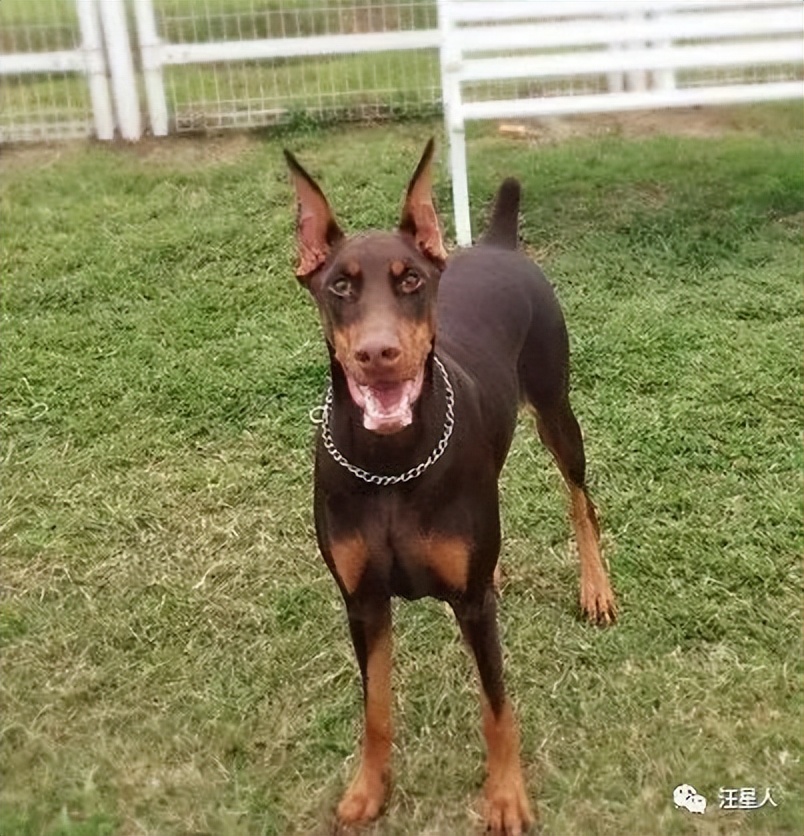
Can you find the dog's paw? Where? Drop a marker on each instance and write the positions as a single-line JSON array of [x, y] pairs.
[[364, 799], [507, 810], [597, 602]]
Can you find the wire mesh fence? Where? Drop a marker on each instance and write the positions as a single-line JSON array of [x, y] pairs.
[[48, 103], [209, 95], [319, 86], [250, 63]]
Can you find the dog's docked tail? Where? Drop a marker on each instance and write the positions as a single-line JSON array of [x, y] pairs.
[[503, 228]]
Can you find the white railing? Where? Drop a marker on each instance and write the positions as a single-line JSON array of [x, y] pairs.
[[211, 64], [623, 55], [48, 116], [229, 63], [159, 53]]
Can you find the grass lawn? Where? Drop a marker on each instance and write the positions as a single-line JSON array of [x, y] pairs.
[[175, 658]]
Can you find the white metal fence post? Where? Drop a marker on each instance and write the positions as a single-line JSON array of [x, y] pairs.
[[121, 65], [661, 79], [150, 44], [450, 59], [95, 61], [637, 79]]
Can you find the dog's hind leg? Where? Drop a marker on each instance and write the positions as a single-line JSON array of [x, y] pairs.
[[544, 382], [560, 433]]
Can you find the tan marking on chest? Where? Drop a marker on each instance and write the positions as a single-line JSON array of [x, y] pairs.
[[448, 558], [350, 557]]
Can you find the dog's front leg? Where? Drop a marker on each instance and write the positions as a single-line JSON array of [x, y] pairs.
[[507, 810], [370, 628]]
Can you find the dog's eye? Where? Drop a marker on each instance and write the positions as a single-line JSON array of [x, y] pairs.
[[410, 282], [342, 287]]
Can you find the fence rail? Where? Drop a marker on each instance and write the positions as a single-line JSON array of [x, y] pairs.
[[159, 54], [630, 55], [124, 67], [41, 105]]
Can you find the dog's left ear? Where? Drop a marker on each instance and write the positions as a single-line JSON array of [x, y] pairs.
[[419, 218]]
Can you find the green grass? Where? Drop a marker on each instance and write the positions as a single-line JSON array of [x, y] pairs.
[[175, 657]]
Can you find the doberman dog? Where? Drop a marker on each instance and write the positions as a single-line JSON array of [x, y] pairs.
[[429, 360]]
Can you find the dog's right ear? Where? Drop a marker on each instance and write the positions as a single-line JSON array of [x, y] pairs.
[[317, 231]]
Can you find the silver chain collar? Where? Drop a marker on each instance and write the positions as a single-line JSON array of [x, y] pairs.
[[408, 475]]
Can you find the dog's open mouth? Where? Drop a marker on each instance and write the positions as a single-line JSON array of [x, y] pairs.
[[387, 407]]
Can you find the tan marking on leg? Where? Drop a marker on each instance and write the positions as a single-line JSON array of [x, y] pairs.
[[350, 557], [597, 597], [448, 558], [496, 579], [364, 798], [507, 810]]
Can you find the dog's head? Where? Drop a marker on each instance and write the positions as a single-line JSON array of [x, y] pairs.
[[376, 294]]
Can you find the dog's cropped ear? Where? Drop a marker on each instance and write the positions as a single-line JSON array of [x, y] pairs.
[[317, 231], [419, 218]]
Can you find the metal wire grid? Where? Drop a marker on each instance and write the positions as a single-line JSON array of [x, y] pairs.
[[241, 94], [257, 93], [46, 105], [597, 84], [191, 21]]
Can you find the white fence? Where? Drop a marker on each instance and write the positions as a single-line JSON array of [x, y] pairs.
[[329, 59], [125, 67], [624, 54], [195, 65], [53, 80]]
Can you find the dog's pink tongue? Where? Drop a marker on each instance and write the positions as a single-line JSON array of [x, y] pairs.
[[387, 409]]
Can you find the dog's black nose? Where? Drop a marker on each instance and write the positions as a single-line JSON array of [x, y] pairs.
[[379, 351]]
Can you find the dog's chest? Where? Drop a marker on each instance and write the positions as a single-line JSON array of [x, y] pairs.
[[399, 547]]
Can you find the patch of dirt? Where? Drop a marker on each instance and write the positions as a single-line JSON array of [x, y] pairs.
[[189, 152], [700, 122], [174, 152], [37, 155], [185, 152], [795, 221]]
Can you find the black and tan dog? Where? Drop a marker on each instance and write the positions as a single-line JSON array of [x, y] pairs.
[[430, 360]]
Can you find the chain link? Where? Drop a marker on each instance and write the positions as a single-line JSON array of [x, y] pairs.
[[374, 478]]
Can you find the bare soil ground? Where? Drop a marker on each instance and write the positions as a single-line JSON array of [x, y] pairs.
[[222, 148]]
